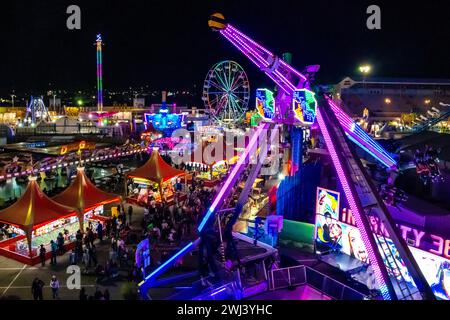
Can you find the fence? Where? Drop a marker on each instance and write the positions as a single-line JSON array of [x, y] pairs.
[[304, 275], [229, 291]]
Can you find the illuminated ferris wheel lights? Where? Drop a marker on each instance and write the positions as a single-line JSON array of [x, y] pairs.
[[226, 92]]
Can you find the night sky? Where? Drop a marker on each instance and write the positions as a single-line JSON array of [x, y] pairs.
[[167, 44]]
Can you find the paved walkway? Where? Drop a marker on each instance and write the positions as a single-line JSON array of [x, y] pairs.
[[16, 278]]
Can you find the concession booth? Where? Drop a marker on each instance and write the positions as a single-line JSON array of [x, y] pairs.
[[155, 180], [36, 219], [87, 199]]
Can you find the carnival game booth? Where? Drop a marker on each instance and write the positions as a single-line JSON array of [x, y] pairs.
[[210, 174], [155, 179], [87, 199], [36, 219]]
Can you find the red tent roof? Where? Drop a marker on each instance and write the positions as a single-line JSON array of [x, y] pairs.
[[156, 170], [34, 208], [83, 195]]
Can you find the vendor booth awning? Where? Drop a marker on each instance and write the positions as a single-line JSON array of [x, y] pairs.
[[83, 195], [156, 170], [34, 208]]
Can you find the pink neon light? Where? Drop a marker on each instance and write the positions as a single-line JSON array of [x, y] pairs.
[[357, 133], [280, 84], [292, 69], [250, 40], [352, 203], [240, 49], [263, 62], [231, 178], [278, 73]]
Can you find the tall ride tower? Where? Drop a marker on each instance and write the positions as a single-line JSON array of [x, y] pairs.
[[99, 44]]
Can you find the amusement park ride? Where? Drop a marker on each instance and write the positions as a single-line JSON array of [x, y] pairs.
[[226, 92], [37, 111], [164, 121], [296, 106], [433, 117]]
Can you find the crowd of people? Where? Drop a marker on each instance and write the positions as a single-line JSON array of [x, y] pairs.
[[427, 165], [164, 225], [121, 256], [170, 224]]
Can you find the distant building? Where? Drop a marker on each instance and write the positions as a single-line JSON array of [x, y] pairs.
[[391, 97]]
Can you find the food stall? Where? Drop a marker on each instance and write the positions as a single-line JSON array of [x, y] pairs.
[[87, 199], [36, 219], [155, 179], [209, 174]]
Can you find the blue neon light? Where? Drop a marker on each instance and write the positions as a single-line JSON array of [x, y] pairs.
[[166, 264], [218, 291], [265, 103], [366, 149], [232, 176], [304, 105]]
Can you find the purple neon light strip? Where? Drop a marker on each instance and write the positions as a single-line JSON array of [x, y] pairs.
[[266, 51], [233, 175], [251, 58], [360, 135], [263, 62], [248, 39], [228, 37], [99, 75], [351, 126], [353, 206], [292, 69], [289, 84]]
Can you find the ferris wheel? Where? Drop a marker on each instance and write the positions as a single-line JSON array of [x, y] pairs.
[[226, 92]]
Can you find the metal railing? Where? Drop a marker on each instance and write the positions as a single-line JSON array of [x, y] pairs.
[[229, 291], [304, 275]]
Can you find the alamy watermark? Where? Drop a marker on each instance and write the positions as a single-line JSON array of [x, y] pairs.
[[74, 280], [374, 20], [257, 146], [73, 22]]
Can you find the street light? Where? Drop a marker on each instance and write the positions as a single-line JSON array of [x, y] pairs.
[[12, 99], [365, 69]]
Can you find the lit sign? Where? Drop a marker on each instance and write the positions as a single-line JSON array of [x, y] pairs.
[[164, 122], [338, 232], [327, 201], [304, 105], [77, 146], [265, 103]]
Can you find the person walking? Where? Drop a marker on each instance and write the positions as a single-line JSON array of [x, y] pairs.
[[54, 285], [83, 295], [100, 231], [36, 289], [54, 248], [60, 242], [108, 228], [106, 295], [86, 260], [93, 254], [42, 252], [90, 236], [73, 258], [130, 213]]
